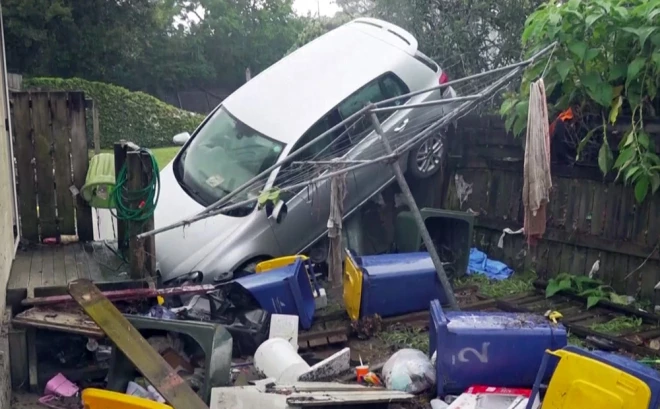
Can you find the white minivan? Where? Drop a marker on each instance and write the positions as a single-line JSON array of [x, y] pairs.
[[276, 113]]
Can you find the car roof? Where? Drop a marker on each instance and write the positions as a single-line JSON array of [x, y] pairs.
[[286, 99]]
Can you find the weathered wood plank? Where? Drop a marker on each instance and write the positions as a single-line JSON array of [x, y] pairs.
[[62, 159], [43, 147], [36, 271], [70, 265], [20, 270], [24, 152], [80, 162], [48, 272], [82, 264], [59, 267]]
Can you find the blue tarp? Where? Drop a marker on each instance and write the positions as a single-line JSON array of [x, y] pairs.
[[493, 269]]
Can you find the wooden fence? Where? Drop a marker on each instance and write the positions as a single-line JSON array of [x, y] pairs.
[[51, 154], [588, 218]]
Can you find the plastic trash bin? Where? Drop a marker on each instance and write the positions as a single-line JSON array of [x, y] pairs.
[[483, 348], [596, 379], [214, 339], [449, 230], [285, 290], [102, 399], [389, 284]]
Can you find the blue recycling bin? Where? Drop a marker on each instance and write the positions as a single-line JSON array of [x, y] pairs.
[[490, 348], [396, 284], [286, 290]]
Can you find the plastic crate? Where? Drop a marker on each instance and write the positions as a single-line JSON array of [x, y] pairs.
[[389, 284], [285, 290], [483, 348]]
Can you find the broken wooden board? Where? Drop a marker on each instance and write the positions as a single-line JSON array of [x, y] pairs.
[[72, 321], [342, 398], [124, 295], [128, 339]]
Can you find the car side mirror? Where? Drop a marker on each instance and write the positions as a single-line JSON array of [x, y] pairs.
[[181, 139]]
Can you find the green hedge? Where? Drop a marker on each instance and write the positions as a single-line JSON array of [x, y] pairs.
[[133, 116]]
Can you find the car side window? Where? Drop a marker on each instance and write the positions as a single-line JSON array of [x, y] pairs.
[[385, 87], [295, 173]]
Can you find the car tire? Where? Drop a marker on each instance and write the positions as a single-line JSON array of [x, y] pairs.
[[248, 268], [425, 159]]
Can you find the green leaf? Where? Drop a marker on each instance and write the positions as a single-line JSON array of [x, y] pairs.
[[564, 68], [605, 158], [522, 107], [642, 32], [591, 18], [629, 138], [634, 68], [656, 58], [555, 286], [599, 91], [584, 142], [630, 173], [507, 105], [623, 157], [655, 182], [617, 71], [519, 125], [593, 301], [591, 54], [509, 122], [655, 39], [616, 107], [643, 139], [579, 48], [641, 188]]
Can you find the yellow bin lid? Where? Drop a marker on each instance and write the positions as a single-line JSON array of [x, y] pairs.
[[352, 287], [102, 399], [581, 382]]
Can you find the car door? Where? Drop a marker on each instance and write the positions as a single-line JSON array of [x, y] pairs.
[[308, 208], [366, 144]]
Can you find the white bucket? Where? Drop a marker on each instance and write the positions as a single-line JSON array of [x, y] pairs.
[[276, 358]]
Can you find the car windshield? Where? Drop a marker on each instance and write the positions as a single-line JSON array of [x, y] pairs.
[[224, 155]]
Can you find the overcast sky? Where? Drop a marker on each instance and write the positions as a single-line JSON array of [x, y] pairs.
[[327, 7]]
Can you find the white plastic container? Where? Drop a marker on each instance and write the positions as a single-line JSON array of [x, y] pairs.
[[276, 358]]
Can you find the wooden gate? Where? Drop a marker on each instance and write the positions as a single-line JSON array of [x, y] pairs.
[[51, 153]]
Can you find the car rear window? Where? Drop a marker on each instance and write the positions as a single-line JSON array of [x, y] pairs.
[[428, 63]]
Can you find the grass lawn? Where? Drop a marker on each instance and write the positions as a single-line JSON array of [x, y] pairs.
[[163, 155]]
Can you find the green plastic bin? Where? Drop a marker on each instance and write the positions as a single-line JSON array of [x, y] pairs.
[[100, 181], [450, 230]]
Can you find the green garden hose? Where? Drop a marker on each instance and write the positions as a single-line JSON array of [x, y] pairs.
[[136, 207]]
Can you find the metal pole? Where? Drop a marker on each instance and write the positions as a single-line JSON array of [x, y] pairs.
[[410, 201], [428, 103]]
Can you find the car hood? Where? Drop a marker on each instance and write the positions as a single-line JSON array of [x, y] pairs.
[[180, 250]]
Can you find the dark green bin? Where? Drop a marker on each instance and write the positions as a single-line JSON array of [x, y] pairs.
[[450, 230]]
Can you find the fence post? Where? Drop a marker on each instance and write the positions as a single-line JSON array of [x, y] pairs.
[[142, 252]]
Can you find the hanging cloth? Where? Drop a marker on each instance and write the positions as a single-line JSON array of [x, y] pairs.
[[537, 179]]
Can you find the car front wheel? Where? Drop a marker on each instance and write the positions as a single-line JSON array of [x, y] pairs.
[[426, 159]]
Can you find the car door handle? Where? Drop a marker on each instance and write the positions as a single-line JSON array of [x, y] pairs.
[[402, 126]]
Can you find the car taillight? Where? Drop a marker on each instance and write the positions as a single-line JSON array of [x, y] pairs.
[[444, 78]]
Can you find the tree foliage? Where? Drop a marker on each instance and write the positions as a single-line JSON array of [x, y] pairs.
[[148, 45], [464, 36], [607, 60], [133, 116]]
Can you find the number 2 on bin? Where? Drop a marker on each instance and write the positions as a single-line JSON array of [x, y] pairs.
[[464, 354]]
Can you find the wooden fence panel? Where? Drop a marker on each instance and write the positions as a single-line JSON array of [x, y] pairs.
[[51, 156], [62, 153], [589, 217], [24, 151], [80, 158], [43, 148]]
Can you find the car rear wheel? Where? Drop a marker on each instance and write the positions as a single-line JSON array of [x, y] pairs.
[[426, 159]]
